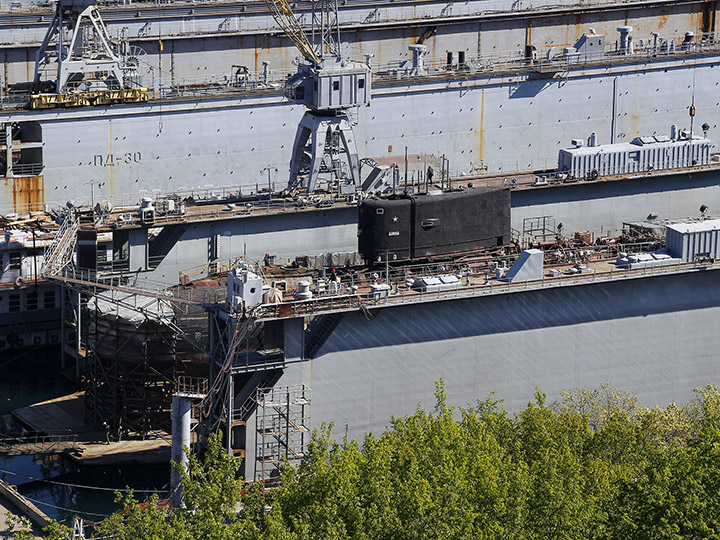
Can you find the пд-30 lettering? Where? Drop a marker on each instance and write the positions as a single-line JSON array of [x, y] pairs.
[[110, 160]]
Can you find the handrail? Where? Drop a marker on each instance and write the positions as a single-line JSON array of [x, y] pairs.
[[39, 443], [351, 302], [510, 62], [59, 254], [27, 169], [186, 384], [119, 282]]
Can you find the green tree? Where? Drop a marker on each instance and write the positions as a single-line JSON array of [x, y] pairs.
[[594, 465], [428, 476], [676, 494]]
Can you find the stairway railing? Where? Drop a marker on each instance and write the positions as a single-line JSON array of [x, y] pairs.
[[59, 254]]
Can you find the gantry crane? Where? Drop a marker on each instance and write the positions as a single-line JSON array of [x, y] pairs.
[[329, 86], [85, 64]]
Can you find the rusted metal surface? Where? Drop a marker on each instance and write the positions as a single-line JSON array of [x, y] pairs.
[[26, 192], [84, 99], [707, 18]]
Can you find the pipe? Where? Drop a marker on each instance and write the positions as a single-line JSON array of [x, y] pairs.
[[181, 408]]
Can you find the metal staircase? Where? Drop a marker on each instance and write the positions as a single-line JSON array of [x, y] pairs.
[[259, 383], [161, 245], [318, 331], [58, 256]]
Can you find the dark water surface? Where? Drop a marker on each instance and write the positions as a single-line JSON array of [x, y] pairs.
[[54, 483], [62, 490], [29, 376]]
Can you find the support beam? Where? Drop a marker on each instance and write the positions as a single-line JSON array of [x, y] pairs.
[[181, 415]]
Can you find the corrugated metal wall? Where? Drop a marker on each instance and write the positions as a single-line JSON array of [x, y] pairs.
[[687, 245]]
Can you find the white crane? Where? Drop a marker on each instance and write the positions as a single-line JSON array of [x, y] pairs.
[[89, 54], [329, 86]]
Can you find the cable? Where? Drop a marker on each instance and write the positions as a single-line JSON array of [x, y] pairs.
[[18, 357], [66, 509], [123, 490]]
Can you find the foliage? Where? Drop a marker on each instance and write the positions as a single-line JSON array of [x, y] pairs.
[[593, 465], [216, 506], [18, 527]]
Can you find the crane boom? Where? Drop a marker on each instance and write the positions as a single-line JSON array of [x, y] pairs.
[[328, 86], [283, 15]]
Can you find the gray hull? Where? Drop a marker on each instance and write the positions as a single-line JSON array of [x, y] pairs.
[[652, 336]]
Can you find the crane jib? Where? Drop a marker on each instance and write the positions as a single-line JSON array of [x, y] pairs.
[[284, 16]]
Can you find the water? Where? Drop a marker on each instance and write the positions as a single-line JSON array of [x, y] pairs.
[[63, 490], [34, 376], [30, 376]]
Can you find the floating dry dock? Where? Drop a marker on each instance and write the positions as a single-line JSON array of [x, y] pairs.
[[366, 346]]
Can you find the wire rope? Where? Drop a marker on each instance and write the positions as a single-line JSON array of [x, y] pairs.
[[80, 486]]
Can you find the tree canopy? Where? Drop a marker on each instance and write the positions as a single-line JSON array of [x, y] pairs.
[[593, 465]]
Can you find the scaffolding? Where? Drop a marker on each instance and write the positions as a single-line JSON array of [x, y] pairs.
[[281, 419], [132, 367], [540, 229], [128, 338]]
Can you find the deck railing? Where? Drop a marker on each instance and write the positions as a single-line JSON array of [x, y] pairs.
[[39, 443], [254, 82], [351, 302]]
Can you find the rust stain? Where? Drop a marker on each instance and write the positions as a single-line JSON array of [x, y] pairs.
[[257, 55], [481, 131], [634, 121], [704, 19], [662, 21], [358, 40], [579, 29], [528, 34], [27, 192], [29, 63], [111, 176], [709, 29]]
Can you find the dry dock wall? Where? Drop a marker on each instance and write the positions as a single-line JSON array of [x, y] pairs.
[[508, 123], [592, 206], [208, 39], [284, 235], [655, 336]]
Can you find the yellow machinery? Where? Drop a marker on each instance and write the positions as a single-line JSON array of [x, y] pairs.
[[284, 16], [94, 97]]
